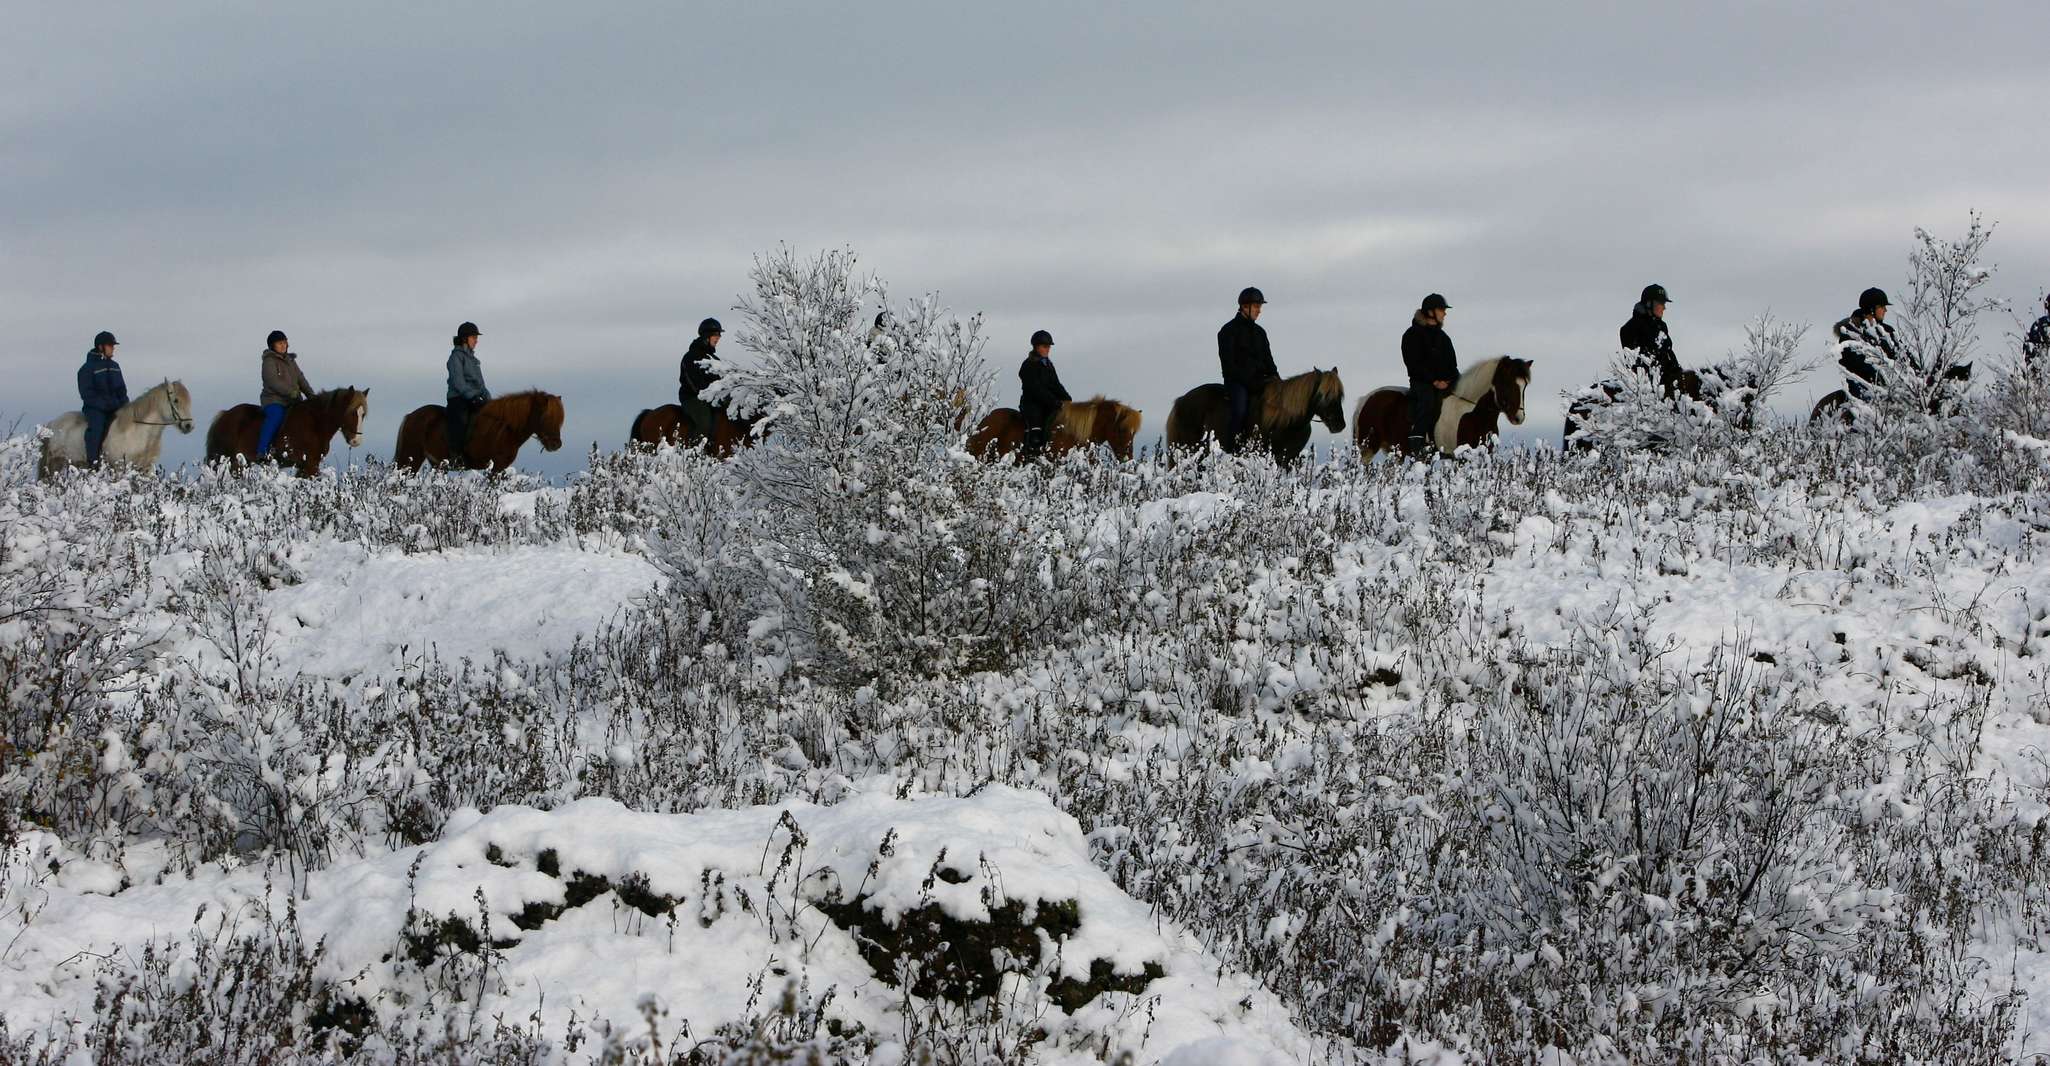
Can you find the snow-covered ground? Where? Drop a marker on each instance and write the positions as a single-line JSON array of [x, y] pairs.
[[1271, 746]]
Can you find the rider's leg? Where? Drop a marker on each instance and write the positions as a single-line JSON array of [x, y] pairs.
[[1424, 401], [1235, 427], [273, 417], [457, 424], [96, 423]]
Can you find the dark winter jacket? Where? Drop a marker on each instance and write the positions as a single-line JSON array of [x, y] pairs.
[[1858, 337], [466, 377], [1243, 353], [1041, 393], [696, 374], [2036, 346], [1647, 335], [1427, 352], [283, 381], [100, 385]]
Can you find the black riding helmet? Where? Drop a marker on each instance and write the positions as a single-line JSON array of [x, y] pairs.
[[710, 326], [1040, 337], [103, 338], [1251, 295], [1872, 298], [276, 335], [1655, 294]]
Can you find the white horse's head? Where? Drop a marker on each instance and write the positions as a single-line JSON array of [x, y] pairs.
[[174, 405]]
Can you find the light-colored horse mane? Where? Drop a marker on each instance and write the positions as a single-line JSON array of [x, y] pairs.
[[1478, 380], [1293, 401], [1079, 420]]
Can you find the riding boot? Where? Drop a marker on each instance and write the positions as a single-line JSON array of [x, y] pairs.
[[457, 423]]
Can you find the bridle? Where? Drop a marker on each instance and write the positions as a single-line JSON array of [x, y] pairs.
[[170, 398]]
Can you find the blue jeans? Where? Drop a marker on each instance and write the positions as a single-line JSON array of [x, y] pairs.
[[273, 417], [96, 423]]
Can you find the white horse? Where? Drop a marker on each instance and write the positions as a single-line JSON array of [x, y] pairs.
[[135, 437]]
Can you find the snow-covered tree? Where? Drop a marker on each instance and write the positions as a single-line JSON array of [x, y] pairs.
[[859, 469]]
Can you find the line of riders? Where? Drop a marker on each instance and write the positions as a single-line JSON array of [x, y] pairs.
[[1244, 355]]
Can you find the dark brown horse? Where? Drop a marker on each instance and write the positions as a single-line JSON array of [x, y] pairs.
[[303, 437], [1470, 416], [666, 425], [1280, 421], [496, 433], [1080, 424]]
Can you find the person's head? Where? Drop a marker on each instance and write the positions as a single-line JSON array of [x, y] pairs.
[[467, 334], [104, 343], [277, 341], [1872, 303], [710, 331], [1251, 301], [1042, 343], [1655, 300], [1434, 308], [882, 320]]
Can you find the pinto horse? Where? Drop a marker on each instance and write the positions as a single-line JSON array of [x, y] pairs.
[[135, 437], [496, 433], [666, 425], [303, 438], [1080, 424], [1279, 422], [1470, 416]]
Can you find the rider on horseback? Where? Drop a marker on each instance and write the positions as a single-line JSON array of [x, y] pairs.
[[466, 391], [1647, 335], [102, 393], [1247, 361], [1433, 368], [2036, 346], [1041, 393], [696, 375], [283, 383], [1861, 336]]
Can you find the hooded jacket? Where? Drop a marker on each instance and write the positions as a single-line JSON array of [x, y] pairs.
[[283, 381]]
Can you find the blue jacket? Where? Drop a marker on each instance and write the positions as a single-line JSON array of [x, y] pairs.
[[100, 385], [466, 376]]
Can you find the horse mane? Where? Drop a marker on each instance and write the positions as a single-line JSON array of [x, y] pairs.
[[1478, 380], [1292, 401], [1079, 419], [517, 409]]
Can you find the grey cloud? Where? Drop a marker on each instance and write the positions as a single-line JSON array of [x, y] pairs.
[[587, 183]]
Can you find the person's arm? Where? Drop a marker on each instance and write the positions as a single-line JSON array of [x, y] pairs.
[[299, 376], [118, 387]]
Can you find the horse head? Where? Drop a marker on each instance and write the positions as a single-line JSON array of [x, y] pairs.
[[1328, 400], [179, 402], [1512, 379], [354, 414], [544, 420]]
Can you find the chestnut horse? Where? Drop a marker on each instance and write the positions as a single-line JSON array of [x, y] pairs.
[[496, 433], [1279, 420], [1469, 417], [1080, 424], [303, 438], [666, 425]]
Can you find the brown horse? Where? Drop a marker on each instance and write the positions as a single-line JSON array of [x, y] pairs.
[[1280, 421], [496, 433], [666, 425], [1470, 416], [303, 437], [1079, 424]]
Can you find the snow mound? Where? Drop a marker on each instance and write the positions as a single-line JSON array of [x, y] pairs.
[[597, 911]]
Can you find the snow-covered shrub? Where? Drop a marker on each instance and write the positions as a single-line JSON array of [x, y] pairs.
[[1631, 410], [859, 475]]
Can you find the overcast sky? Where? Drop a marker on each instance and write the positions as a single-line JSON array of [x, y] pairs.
[[587, 181]]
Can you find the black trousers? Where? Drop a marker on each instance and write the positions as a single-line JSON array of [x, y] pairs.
[[1038, 425], [1425, 401], [457, 422]]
